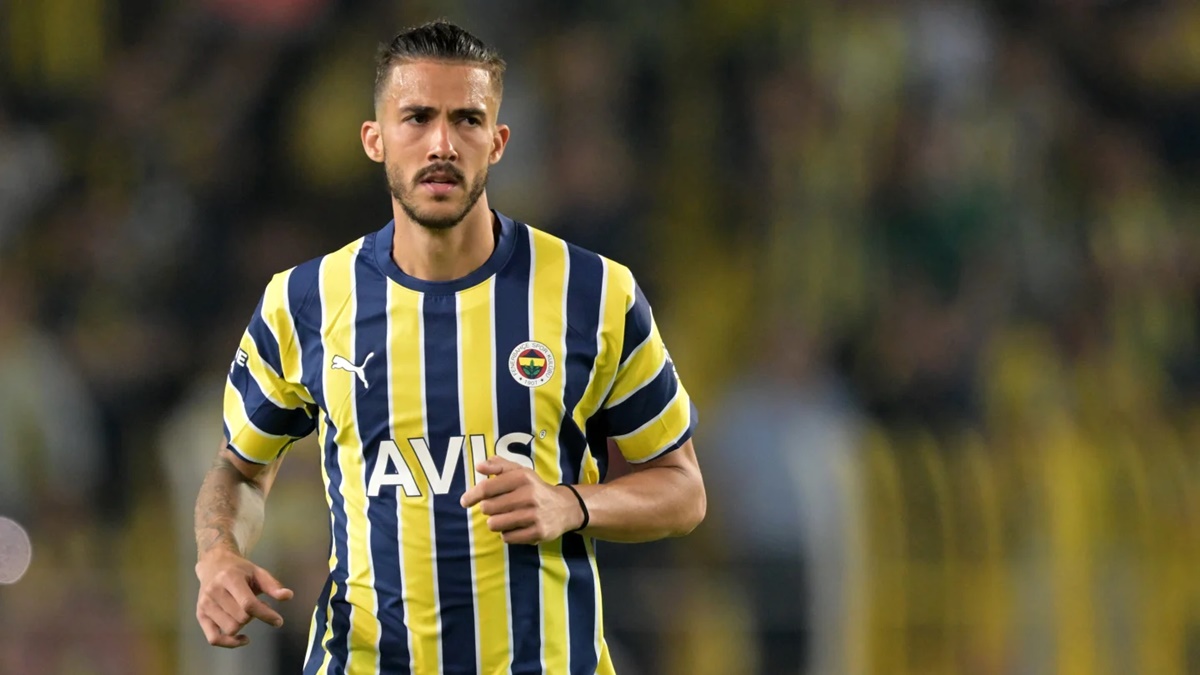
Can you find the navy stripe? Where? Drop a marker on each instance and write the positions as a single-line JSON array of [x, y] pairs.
[[264, 339], [637, 324], [645, 404], [597, 439], [586, 275], [265, 414], [450, 519], [515, 414], [305, 309], [308, 317], [581, 606], [374, 427], [316, 652]]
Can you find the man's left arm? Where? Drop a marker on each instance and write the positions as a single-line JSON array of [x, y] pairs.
[[663, 497]]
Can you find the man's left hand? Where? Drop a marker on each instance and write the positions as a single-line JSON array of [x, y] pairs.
[[521, 506]]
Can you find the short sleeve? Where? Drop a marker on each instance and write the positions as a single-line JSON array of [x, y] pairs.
[[647, 412], [266, 407]]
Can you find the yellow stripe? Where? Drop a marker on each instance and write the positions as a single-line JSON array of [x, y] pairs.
[[605, 667], [337, 311], [549, 328], [278, 317], [254, 443], [641, 367], [645, 443], [323, 429], [476, 384], [416, 519], [285, 395]]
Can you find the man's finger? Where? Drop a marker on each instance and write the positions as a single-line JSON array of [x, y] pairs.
[[266, 583], [525, 535], [493, 487], [507, 522], [225, 621], [231, 608], [510, 501], [494, 466], [216, 638], [254, 607]]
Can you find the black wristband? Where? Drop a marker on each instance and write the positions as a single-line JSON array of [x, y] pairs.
[[583, 507]]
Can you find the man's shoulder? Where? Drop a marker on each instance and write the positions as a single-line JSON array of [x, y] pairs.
[[297, 285], [617, 275]]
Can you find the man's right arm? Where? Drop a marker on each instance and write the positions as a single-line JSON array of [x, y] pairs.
[[229, 519]]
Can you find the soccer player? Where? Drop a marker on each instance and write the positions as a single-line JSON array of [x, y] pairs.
[[464, 373]]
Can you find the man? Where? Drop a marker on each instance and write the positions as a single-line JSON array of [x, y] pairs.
[[465, 373]]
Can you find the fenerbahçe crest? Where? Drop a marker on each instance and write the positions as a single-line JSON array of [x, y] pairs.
[[531, 364]]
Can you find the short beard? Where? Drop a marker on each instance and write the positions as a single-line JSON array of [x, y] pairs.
[[401, 195]]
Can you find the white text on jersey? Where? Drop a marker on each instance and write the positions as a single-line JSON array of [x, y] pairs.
[[392, 469]]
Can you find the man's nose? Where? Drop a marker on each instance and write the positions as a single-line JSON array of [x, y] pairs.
[[441, 147]]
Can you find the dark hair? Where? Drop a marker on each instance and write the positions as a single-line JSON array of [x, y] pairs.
[[438, 41]]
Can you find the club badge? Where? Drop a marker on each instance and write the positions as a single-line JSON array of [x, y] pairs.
[[531, 364]]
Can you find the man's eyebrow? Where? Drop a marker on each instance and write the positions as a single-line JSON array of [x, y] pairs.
[[417, 109], [469, 112], [457, 113]]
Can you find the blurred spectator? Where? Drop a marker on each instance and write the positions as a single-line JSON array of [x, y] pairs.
[[29, 171], [784, 464], [50, 453]]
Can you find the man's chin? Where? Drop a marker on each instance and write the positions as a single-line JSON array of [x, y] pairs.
[[437, 218]]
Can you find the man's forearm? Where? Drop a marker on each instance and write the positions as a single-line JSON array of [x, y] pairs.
[[646, 505], [229, 511]]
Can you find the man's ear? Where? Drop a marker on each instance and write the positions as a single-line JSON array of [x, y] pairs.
[[372, 141], [499, 141]]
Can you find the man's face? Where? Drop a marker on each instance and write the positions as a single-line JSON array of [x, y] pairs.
[[436, 135]]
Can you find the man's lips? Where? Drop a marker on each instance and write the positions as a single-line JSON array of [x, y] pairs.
[[441, 180], [439, 187]]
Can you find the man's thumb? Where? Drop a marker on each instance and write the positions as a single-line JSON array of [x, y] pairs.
[[270, 585]]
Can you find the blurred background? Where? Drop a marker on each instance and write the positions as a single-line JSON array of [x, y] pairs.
[[930, 269]]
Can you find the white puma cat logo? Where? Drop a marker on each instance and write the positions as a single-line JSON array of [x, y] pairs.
[[342, 363]]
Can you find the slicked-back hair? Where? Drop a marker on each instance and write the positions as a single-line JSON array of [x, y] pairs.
[[437, 41]]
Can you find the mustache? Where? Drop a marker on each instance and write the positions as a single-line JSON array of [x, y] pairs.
[[444, 168]]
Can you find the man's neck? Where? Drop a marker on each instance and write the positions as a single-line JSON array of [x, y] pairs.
[[444, 255]]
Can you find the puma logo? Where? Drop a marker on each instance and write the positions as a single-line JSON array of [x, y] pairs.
[[342, 363]]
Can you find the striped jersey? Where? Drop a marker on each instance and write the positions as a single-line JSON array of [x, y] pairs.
[[540, 356]]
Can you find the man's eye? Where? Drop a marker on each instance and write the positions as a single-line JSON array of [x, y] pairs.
[[472, 121], [419, 118]]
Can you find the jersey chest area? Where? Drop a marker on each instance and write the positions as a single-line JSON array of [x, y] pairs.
[[445, 381]]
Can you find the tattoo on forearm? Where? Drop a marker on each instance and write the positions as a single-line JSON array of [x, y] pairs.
[[216, 514]]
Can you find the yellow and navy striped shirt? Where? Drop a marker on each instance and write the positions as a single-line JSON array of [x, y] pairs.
[[540, 356]]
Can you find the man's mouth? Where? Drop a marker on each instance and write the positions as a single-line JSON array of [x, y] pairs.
[[440, 183]]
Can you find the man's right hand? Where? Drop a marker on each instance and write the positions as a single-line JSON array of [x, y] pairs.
[[229, 590]]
